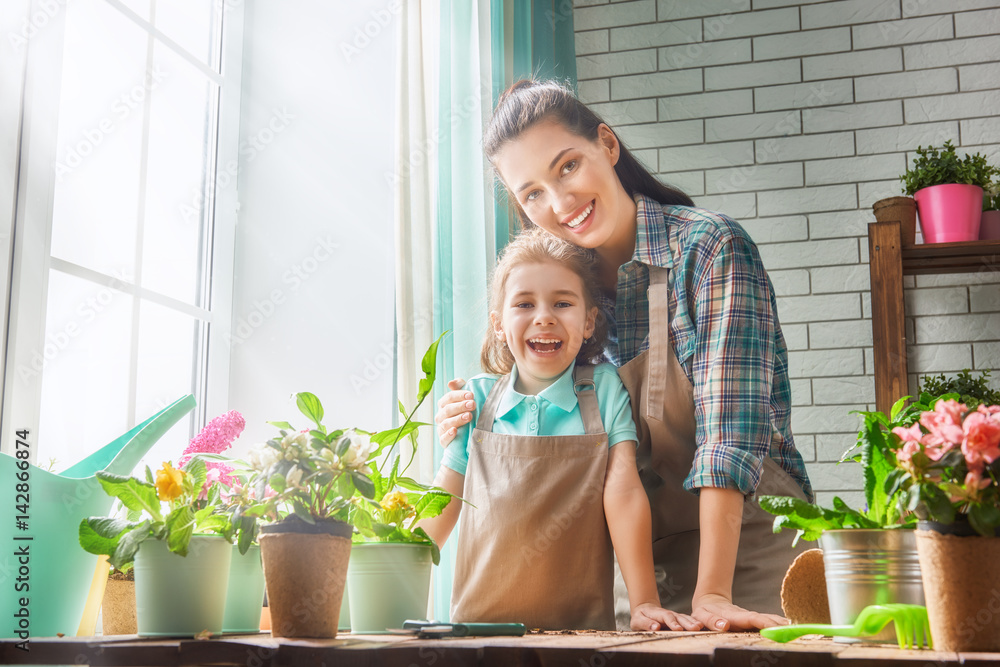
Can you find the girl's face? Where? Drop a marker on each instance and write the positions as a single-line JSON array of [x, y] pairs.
[[544, 320], [567, 185]]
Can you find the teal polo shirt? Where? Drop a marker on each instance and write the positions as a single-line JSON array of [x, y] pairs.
[[553, 411]]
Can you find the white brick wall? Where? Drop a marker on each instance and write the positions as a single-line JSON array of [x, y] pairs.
[[795, 116]]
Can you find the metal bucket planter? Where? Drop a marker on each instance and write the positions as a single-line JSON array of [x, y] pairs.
[[865, 567], [388, 583]]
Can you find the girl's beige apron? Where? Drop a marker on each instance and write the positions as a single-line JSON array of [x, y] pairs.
[[536, 548], [663, 409]]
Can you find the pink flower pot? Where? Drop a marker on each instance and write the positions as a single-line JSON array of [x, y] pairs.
[[989, 227], [949, 213]]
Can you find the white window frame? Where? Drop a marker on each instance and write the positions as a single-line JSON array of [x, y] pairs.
[[30, 203]]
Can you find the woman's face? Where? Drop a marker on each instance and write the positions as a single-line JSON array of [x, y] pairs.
[[567, 185]]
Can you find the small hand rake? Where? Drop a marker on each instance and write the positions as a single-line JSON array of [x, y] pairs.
[[913, 630]]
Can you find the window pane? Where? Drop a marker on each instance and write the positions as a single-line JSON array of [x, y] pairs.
[[85, 384], [99, 139], [168, 343], [181, 139], [193, 24], [140, 7]]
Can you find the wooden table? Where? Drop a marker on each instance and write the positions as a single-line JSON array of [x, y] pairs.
[[576, 649]]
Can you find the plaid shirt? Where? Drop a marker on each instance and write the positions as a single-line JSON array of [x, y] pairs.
[[725, 332]]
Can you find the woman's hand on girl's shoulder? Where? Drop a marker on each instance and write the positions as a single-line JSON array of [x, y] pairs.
[[454, 411], [649, 616]]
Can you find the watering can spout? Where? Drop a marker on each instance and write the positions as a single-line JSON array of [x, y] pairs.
[[44, 572]]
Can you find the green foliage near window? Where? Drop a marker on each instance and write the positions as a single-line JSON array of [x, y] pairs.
[[971, 391], [934, 166]]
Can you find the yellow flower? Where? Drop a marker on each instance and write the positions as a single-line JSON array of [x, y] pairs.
[[168, 482], [396, 501]]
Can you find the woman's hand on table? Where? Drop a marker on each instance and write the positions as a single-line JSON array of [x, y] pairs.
[[648, 616], [454, 411], [716, 612]]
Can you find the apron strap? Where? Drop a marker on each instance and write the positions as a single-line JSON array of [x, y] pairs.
[[489, 411], [659, 340], [586, 396]]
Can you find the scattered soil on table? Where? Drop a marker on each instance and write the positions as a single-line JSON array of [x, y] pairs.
[[590, 633]]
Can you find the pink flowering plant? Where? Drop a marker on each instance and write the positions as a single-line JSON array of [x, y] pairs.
[[173, 505], [948, 465]]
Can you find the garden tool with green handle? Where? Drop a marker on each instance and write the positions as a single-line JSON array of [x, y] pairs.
[[913, 629], [45, 574]]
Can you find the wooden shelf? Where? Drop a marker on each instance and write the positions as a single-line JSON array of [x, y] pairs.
[[889, 261]]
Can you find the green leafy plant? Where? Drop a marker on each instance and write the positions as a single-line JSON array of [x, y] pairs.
[[972, 391], [322, 473], [934, 166], [948, 465], [173, 507], [873, 450]]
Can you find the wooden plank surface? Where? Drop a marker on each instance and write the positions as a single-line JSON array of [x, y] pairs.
[[695, 649]]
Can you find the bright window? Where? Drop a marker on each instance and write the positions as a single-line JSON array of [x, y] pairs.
[[123, 243]]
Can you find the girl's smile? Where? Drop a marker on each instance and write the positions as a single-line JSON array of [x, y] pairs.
[[544, 320]]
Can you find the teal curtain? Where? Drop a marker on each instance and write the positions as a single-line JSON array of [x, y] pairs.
[[523, 38], [530, 39]]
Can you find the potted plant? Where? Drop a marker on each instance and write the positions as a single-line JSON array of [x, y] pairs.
[[948, 473], [331, 482], [948, 192], [961, 387], [902, 209], [989, 226], [245, 589], [173, 535], [869, 555]]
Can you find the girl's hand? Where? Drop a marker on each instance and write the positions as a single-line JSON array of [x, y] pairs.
[[718, 613], [454, 411], [648, 616]]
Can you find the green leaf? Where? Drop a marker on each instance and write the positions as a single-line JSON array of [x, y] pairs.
[[431, 504], [435, 551], [897, 407], [984, 519], [180, 527], [364, 485], [247, 533], [129, 544], [100, 535], [429, 366], [311, 407], [284, 426], [134, 494], [277, 482], [391, 436], [938, 504]]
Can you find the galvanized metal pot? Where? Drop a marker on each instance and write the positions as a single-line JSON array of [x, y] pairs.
[[865, 567]]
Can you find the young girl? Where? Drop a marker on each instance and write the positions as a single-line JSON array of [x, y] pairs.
[[551, 455], [696, 333]]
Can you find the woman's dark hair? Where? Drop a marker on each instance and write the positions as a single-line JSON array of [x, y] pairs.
[[528, 102], [533, 246]]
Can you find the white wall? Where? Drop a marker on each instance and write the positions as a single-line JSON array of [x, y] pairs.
[[313, 301], [794, 117]]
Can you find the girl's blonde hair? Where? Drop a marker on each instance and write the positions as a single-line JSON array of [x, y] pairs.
[[534, 246]]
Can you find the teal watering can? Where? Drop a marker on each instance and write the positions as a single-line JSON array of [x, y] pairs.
[[45, 575]]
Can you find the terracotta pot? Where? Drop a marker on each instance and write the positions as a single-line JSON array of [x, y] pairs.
[[305, 568], [903, 209], [989, 226], [118, 608], [962, 590], [950, 212]]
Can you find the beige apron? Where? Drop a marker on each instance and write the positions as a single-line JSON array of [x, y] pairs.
[[663, 409], [535, 546]]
